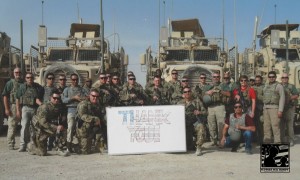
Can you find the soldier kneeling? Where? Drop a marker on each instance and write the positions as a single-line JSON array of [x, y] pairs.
[[44, 126], [89, 124]]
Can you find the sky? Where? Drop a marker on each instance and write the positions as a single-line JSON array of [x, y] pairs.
[[137, 21]]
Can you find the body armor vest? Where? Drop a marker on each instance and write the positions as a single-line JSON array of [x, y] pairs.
[[29, 96], [271, 96]]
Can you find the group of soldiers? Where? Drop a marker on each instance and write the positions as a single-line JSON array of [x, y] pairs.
[[223, 112]]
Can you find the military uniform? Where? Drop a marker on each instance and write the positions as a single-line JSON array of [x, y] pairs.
[[139, 95], [158, 92], [115, 90], [71, 104], [258, 116], [288, 112], [10, 90], [194, 124], [88, 114], [216, 111], [45, 123], [47, 93], [229, 102], [170, 87], [274, 99], [27, 96], [105, 93]]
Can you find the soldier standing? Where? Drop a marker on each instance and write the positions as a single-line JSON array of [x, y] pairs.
[[194, 116], [258, 116], [87, 85], [49, 87], [156, 93], [90, 123], [216, 109], [28, 99], [173, 84], [291, 100], [230, 86], [132, 93], [274, 99], [104, 90], [71, 96], [62, 83], [178, 93], [9, 101], [46, 123], [116, 88]]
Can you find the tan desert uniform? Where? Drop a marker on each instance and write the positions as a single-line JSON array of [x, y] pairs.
[[274, 99]]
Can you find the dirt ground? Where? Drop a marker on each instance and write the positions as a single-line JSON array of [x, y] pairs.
[[214, 164]]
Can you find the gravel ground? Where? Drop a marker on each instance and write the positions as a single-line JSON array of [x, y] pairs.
[[214, 164]]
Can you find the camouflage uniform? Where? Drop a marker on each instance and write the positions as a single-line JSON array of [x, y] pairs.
[[258, 116], [158, 92], [194, 124], [45, 123], [10, 90], [137, 90], [27, 96], [230, 86], [87, 114], [216, 111], [106, 96], [86, 88], [115, 90], [47, 93], [170, 87], [288, 112]]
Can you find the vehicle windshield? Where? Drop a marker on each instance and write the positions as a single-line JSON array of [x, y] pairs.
[[61, 55], [206, 55], [281, 54], [89, 55]]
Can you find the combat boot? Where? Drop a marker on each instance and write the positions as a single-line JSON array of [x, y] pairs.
[[69, 147], [31, 148], [63, 153], [198, 151]]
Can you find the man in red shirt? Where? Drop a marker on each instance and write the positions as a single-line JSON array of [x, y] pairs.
[[246, 95], [237, 126]]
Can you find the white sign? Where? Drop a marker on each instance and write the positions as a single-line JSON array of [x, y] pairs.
[[145, 129]]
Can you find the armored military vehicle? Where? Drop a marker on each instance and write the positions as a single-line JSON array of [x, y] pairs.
[[80, 53], [279, 51], [184, 47], [9, 59]]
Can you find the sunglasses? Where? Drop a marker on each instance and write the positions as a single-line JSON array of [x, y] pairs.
[[29, 77], [202, 77], [115, 78], [94, 96], [184, 80], [284, 77], [235, 107], [132, 79], [226, 78], [175, 73], [244, 80], [74, 79], [56, 98], [272, 76], [103, 77], [62, 79], [216, 76], [186, 91], [50, 78], [17, 72], [252, 80]]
